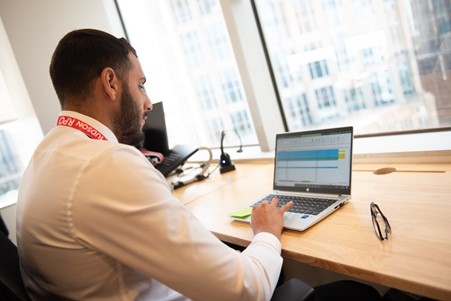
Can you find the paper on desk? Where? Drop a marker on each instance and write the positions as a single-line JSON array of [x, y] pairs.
[[242, 213]]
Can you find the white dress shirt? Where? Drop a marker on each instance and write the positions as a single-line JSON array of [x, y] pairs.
[[96, 221]]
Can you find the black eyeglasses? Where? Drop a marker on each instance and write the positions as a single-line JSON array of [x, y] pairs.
[[377, 216]]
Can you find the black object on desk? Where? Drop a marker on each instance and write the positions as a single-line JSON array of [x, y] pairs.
[[156, 140]]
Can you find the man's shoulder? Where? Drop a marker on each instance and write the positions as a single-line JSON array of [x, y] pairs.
[[76, 144]]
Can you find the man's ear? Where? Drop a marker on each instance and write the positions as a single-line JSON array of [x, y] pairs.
[[110, 82]]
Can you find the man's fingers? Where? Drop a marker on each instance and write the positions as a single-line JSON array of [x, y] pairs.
[[287, 206], [284, 207], [275, 203]]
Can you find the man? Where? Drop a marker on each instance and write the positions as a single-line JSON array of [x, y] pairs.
[[96, 221]]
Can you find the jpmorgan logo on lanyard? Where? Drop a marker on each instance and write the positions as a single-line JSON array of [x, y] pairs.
[[81, 126]]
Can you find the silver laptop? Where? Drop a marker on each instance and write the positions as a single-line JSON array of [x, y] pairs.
[[312, 168]]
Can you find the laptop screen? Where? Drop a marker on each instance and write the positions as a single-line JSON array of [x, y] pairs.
[[318, 161]]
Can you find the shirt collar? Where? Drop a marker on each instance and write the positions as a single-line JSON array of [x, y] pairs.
[[92, 122]]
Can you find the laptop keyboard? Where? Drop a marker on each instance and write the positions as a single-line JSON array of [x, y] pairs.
[[304, 205]]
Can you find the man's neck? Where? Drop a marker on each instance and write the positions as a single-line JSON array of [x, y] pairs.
[[90, 110]]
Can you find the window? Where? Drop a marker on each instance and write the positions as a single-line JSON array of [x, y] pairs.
[[218, 42], [205, 93], [285, 77], [385, 69], [333, 63], [304, 14], [318, 69], [192, 49], [325, 97], [240, 120], [299, 110], [230, 86], [7, 112], [354, 99], [186, 54], [20, 131], [333, 11], [10, 165], [181, 11], [206, 6]]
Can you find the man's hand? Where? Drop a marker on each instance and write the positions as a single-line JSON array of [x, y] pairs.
[[267, 217]]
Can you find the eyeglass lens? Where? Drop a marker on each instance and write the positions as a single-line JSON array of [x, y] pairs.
[[377, 217]]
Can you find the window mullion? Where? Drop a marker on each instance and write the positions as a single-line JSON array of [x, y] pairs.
[[254, 71]]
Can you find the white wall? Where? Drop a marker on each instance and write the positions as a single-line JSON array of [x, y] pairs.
[[29, 32], [34, 29]]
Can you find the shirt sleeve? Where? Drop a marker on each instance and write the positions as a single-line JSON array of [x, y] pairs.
[[124, 208], [265, 248]]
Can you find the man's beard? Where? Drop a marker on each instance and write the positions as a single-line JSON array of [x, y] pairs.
[[127, 125]]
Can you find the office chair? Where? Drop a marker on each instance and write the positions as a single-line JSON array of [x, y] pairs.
[[11, 285], [294, 290]]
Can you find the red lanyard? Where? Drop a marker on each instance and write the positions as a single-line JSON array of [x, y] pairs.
[[81, 126]]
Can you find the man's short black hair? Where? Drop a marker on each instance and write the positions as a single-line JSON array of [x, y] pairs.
[[80, 57]]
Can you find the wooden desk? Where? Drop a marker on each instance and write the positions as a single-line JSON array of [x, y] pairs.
[[417, 258]]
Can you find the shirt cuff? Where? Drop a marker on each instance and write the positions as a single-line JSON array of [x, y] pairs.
[[269, 240]]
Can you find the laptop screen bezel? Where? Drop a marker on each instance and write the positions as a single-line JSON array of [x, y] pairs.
[[342, 190]]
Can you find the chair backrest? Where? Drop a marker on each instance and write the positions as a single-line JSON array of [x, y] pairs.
[[11, 285]]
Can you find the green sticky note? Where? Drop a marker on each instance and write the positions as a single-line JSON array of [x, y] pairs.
[[242, 213]]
